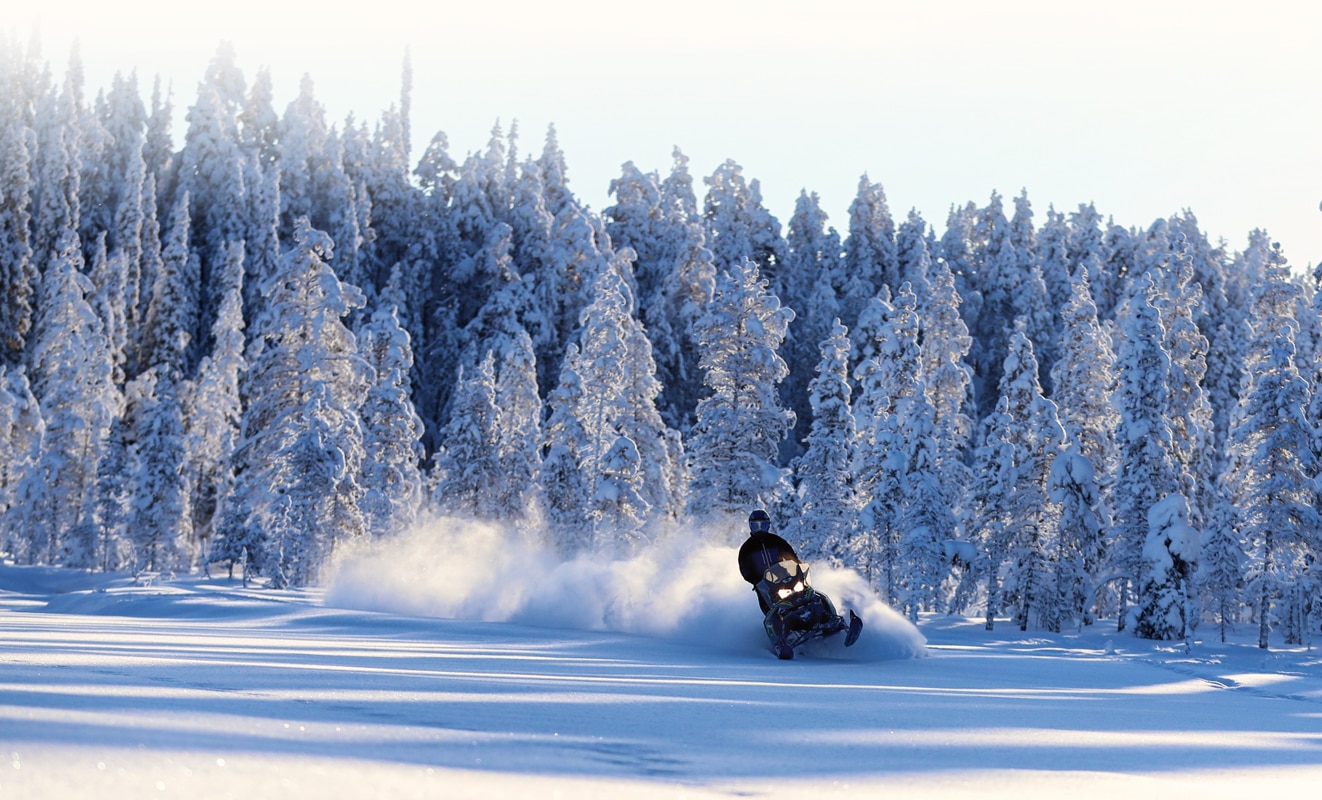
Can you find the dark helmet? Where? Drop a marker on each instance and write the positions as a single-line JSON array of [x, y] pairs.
[[759, 522]]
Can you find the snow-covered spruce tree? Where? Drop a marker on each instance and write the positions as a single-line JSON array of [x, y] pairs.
[[113, 485], [72, 379], [22, 430], [1273, 488], [312, 472], [1031, 299], [812, 264], [995, 277], [303, 133], [1029, 582], [1079, 545], [674, 272], [1084, 380], [108, 301], [57, 157], [739, 227], [211, 183], [173, 312], [564, 491], [870, 256], [620, 388], [888, 380], [1169, 555], [828, 509], [18, 272], [928, 522], [737, 436], [305, 370], [519, 428], [161, 533], [392, 480], [618, 505], [1053, 249], [213, 408], [1145, 449], [946, 377], [467, 469], [1219, 579], [988, 508], [129, 174], [1084, 377], [1189, 412]]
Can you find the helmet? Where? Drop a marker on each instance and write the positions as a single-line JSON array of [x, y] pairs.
[[759, 522]]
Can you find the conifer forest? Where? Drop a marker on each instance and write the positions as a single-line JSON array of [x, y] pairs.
[[269, 338]]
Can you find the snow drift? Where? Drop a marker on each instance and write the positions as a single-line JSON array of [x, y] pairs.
[[681, 589]]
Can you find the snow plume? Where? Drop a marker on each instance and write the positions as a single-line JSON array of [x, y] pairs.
[[681, 589]]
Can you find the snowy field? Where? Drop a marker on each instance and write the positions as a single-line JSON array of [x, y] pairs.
[[587, 680]]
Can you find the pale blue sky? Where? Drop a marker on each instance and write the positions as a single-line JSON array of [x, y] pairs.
[[1144, 108]]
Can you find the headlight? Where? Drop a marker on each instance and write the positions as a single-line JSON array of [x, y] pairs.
[[785, 594]]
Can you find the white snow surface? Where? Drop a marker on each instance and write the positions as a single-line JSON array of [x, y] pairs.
[[454, 663]]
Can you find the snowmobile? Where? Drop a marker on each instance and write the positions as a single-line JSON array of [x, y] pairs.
[[797, 613]]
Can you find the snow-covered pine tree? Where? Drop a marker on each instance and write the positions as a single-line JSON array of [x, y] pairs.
[[1084, 378], [392, 479], [737, 435], [828, 509]]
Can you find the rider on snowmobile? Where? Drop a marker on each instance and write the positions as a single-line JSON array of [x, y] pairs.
[[793, 611], [761, 550]]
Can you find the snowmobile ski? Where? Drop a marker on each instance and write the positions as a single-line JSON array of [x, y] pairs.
[[855, 628]]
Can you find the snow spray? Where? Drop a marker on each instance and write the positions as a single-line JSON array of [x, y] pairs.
[[680, 588]]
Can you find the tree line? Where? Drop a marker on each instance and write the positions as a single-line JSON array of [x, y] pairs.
[[287, 336]]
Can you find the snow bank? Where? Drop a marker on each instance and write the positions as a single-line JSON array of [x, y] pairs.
[[680, 589]]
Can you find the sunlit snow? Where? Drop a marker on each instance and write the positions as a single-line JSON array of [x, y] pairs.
[[417, 675]]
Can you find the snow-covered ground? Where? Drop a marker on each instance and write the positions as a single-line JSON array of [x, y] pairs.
[[199, 688]]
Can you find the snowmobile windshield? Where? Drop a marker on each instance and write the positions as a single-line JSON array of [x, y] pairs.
[[787, 579]]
